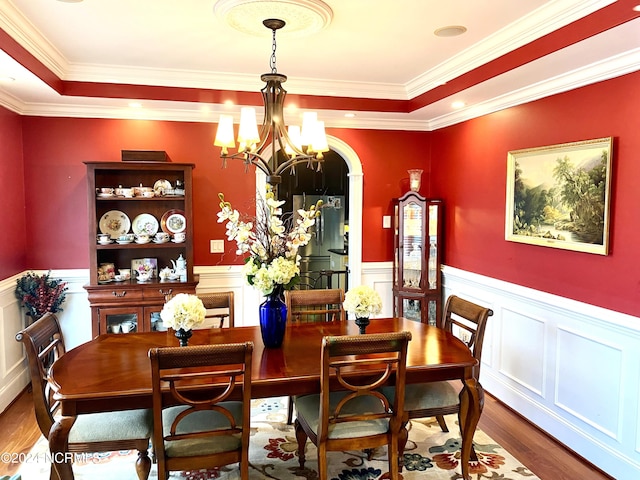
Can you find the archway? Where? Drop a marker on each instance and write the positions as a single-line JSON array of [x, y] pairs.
[[355, 203]]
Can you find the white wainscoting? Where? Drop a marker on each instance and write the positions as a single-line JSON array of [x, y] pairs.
[[569, 367]]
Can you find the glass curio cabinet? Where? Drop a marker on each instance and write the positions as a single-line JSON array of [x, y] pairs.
[[417, 284]]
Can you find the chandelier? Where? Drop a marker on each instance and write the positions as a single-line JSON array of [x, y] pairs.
[[301, 145]]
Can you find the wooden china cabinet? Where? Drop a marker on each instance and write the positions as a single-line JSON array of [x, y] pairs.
[[130, 305], [417, 281]]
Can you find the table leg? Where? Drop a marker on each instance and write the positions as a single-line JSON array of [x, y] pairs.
[[469, 415], [58, 446]]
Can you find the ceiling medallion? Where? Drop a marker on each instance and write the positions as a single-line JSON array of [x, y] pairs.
[[303, 17]]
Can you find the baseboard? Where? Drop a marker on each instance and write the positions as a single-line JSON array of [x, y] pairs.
[[547, 435]]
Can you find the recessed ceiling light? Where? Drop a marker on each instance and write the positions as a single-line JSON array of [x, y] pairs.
[[450, 31], [458, 104], [135, 104], [349, 115], [637, 8]]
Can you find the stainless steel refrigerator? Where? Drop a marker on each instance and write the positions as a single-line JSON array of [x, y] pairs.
[[327, 234]]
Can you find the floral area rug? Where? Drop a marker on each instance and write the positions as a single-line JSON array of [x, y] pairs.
[[430, 455]]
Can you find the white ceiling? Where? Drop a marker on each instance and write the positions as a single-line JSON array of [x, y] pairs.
[[370, 49]]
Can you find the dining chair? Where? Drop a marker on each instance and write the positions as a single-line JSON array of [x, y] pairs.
[[306, 306], [467, 321], [201, 428], [350, 413], [96, 432], [322, 305], [217, 301]]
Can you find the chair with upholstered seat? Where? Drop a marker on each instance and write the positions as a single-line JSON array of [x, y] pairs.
[[201, 428], [306, 306], [96, 432], [214, 302], [350, 413], [467, 321], [323, 305]]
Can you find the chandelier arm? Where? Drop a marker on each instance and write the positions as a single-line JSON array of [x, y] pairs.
[[252, 158], [292, 162]]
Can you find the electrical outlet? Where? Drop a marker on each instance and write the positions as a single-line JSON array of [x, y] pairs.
[[386, 221], [217, 246]]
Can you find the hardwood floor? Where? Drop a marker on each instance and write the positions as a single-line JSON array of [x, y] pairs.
[[545, 457]]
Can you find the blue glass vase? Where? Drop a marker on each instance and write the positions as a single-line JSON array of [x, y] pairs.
[[273, 319]]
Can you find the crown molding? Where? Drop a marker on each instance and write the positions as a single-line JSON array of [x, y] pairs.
[[17, 26], [613, 67]]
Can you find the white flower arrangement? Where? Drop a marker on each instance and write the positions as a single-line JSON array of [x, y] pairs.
[[362, 301], [272, 243], [183, 311]]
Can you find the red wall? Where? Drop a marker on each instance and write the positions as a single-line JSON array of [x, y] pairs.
[[464, 164], [469, 165], [12, 213], [55, 149]]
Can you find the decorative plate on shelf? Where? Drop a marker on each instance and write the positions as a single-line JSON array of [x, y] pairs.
[[173, 221], [114, 223], [161, 187], [145, 223]]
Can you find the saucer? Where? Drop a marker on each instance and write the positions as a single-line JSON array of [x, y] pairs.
[[123, 242], [160, 241], [177, 241], [142, 242], [105, 243]]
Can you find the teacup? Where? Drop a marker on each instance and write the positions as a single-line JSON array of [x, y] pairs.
[[179, 237], [106, 190], [125, 272], [118, 191], [127, 237], [140, 191], [119, 278], [104, 238], [142, 238], [127, 327], [148, 194], [127, 192], [114, 328], [162, 237]]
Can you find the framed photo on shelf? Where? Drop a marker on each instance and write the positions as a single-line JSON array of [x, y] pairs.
[[144, 264], [559, 196]]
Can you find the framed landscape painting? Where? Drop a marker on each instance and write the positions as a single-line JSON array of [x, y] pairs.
[[558, 196]]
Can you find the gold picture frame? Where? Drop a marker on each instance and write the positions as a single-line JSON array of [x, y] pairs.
[[558, 196]]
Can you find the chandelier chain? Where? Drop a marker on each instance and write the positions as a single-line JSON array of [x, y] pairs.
[[272, 61]]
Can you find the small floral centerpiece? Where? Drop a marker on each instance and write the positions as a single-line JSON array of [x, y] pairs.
[[362, 301], [182, 313], [40, 294], [271, 239]]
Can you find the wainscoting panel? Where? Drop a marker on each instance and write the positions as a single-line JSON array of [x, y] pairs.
[[571, 368], [600, 379], [522, 349]]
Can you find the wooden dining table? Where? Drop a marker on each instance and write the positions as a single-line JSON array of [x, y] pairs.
[[112, 372]]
